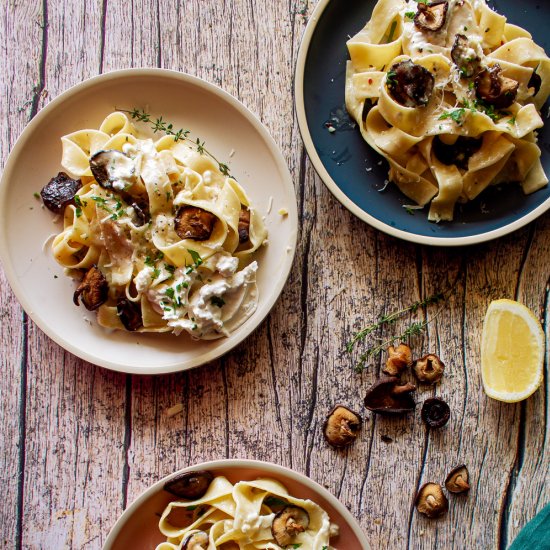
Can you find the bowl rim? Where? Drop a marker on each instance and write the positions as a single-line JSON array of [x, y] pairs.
[[344, 199], [250, 324], [232, 463]]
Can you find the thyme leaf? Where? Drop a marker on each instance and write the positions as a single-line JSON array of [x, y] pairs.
[[161, 125]]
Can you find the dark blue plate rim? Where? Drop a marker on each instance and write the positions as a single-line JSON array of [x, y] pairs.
[[351, 205]]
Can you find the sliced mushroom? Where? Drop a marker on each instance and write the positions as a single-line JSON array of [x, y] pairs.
[[244, 224], [341, 426], [432, 16], [288, 523], [59, 192], [194, 223], [196, 541], [457, 153], [464, 56], [112, 169], [495, 89], [129, 314], [429, 369], [93, 290], [399, 359], [431, 501], [435, 412], [457, 480], [142, 214], [535, 82], [190, 485], [388, 397], [409, 84]]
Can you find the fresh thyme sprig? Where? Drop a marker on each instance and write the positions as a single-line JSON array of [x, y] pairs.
[[414, 329], [160, 125]]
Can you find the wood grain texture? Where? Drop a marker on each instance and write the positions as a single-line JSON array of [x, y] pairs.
[[79, 443]]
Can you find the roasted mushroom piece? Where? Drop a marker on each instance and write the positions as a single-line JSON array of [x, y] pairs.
[[341, 426], [386, 396], [458, 152], [429, 369], [196, 541], [141, 213], [495, 89], [432, 16], [190, 485], [435, 412], [431, 501], [93, 290], [457, 480], [129, 314], [409, 84], [192, 222], [464, 56], [59, 192], [112, 169], [244, 224], [399, 359], [288, 523]]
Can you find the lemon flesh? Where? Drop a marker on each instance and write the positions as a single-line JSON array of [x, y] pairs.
[[512, 351]]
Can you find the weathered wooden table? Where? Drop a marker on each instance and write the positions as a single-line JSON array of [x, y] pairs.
[[79, 442]]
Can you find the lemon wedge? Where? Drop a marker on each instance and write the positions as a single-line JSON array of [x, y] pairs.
[[512, 351]]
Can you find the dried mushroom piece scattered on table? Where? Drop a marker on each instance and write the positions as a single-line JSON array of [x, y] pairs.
[[93, 290], [432, 16], [341, 426], [59, 192], [435, 412], [398, 359], [429, 369], [458, 480], [288, 523], [196, 541], [431, 501], [190, 485], [387, 396]]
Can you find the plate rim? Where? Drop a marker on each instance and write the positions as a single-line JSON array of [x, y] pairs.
[[343, 199], [238, 463], [248, 327]]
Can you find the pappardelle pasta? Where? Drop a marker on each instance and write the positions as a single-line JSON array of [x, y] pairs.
[[162, 239], [249, 515], [450, 93]]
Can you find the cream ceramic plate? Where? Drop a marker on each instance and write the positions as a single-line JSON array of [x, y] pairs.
[[231, 132], [137, 528]]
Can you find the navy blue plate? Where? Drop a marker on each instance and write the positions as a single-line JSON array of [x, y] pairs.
[[355, 173]]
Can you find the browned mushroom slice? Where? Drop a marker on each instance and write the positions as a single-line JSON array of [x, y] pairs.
[[457, 480], [495, 89], [288, 523], [429, 369], [244, 224], [435, 412], [112, 169], [388, 397], [190, 485], [432, 16], [341, 426], [129, 314], [141, 212], [399, 359], [457, 153], [59, 192], [409, 84], [92, 290], [464, 56], [196, 541], [194, 223], [431, 501]]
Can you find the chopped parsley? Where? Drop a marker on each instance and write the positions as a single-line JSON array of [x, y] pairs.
[[391, 78], [169, 268], [148, 261], [196, 257], [78, 211], [410, 14], [455, 114], [156, 273], [392, 31], [36, 195]]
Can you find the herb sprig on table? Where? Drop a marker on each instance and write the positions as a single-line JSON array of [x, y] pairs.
[[413, 329], [161, 125]]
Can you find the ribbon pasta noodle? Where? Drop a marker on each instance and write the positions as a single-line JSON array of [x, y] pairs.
[[164, 238], [245, 516], [450, 93]]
